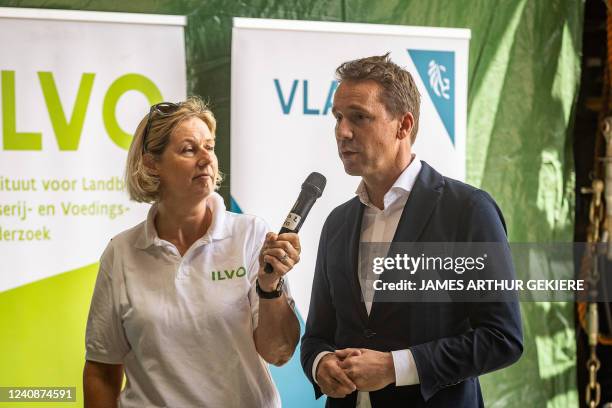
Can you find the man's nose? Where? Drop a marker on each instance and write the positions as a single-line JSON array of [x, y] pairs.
[[343, 130]]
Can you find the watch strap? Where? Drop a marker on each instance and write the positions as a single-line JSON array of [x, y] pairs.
[[270, 295]]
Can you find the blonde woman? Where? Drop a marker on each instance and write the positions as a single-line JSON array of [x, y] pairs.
[[181, 304]]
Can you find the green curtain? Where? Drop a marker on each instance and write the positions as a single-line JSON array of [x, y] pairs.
[[524, 71]]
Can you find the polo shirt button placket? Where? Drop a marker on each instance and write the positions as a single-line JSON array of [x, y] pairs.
[[180, 274]]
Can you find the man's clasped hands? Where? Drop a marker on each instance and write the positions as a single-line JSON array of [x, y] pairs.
[[344, 371]]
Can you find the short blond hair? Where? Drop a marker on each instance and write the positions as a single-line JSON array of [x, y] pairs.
[[142, 186], [399, 92]]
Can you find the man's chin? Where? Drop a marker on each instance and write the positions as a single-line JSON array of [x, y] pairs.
[[352, 170]]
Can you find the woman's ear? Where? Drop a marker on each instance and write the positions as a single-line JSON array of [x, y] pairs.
[[150, 164]]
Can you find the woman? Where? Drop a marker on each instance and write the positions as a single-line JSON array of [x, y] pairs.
[[181, 303]]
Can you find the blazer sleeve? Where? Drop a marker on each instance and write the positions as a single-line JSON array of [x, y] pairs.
[[321, 322], [495, 339]]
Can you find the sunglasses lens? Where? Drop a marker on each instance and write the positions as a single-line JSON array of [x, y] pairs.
[[166, 108]]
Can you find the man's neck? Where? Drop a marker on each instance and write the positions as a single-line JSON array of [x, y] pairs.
[[378, 185]]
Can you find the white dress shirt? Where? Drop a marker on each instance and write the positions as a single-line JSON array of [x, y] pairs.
[[379, 225]]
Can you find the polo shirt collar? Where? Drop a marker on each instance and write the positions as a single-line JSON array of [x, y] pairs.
[[218, 229]]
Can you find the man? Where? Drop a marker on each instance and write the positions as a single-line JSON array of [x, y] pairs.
[[364, 353]]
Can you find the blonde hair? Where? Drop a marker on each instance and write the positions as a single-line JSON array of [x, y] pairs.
[[142, 186]]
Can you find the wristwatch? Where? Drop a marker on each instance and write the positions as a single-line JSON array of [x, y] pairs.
[[270, 295]]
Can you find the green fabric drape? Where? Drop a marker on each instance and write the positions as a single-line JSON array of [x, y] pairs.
[[524, 71]]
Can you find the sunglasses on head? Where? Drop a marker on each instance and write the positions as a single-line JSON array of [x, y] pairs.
[[160, 109]]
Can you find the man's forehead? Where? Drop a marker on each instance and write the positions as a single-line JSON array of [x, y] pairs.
[[356, 94]]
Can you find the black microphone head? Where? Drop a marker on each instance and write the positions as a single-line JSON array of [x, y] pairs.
[[315, 182]]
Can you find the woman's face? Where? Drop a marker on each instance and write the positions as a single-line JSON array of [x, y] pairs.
[[188, 167]]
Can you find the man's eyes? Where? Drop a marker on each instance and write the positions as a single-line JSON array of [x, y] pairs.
[[355, 117], [358, 117]]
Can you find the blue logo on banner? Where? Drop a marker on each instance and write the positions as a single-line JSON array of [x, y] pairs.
[[437, 71], [287, 96]]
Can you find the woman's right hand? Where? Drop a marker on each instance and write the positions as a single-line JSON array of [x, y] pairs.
[[282, 252]]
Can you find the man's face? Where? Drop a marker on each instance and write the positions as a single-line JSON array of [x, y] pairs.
[[366, 134]]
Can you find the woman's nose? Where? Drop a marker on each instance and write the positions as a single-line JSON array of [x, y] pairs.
[[204, 158]]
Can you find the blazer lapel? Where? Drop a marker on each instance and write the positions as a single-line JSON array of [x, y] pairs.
[[421, 203], [354, 218]]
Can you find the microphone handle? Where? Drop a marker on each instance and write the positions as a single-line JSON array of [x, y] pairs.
[[284, 230], [267, 267], [294, 222]]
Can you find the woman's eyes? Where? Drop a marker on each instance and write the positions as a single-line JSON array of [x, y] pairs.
[[192, 149]]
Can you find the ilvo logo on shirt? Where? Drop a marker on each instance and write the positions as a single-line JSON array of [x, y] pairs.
[[228, 274]]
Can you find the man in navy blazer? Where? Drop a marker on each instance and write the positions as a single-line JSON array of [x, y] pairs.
[[360, 352]]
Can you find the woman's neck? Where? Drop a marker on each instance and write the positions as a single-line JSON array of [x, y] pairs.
[[182, 225]]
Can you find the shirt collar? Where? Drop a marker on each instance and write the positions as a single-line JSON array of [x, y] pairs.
[[218, 229], [400, 188]]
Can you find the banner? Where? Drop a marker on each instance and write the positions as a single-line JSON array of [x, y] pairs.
[[281, 123], [74, 87]]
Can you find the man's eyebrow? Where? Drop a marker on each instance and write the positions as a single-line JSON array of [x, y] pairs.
[[352, 106]]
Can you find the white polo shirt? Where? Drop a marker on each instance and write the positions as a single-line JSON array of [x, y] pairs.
[[183, 326]]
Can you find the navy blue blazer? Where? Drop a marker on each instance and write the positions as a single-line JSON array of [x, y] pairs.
[[452, 343]]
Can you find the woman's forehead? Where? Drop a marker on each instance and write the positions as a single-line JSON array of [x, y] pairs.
[[191, 128]]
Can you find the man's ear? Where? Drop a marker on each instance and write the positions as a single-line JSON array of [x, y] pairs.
[[406, 126], [150, 163]]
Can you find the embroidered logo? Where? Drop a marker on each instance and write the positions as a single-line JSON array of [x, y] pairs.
[[228, 274]]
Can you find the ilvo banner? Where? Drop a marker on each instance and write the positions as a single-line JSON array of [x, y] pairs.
[[74, 86], [281, 123]]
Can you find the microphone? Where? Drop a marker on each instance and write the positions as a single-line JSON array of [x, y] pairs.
[[312, 188]]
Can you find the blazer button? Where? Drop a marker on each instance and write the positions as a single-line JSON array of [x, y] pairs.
[[369, 333]]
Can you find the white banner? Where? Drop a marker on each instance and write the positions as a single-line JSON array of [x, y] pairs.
[[282, 128], [74, 87]]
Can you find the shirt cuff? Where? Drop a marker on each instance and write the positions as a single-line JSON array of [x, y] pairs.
[[405, 368], [316, 363]]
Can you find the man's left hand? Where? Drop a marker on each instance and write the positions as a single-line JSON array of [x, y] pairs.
[[369, 370]]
